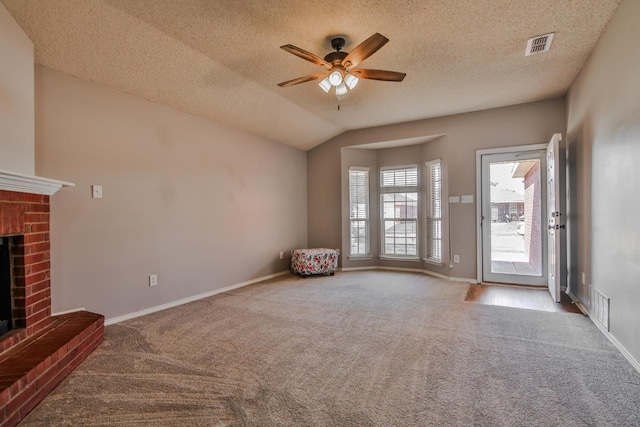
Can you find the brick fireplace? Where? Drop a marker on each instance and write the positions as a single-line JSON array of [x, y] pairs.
[[24, 222], [40, 350]]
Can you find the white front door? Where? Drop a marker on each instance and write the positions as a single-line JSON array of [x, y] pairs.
[[555, 225], [513, 212]]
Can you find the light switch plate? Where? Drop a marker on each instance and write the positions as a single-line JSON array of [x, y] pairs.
[[454, 199], [467, 198], [96, 191]]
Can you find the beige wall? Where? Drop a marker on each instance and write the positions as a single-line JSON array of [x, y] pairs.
[[525, 124], [16, 97], [200, 204], [604, 145]]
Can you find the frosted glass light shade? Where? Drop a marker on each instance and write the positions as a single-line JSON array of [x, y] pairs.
[[351, 81], [325, 85], [341, 89], [335, 78]]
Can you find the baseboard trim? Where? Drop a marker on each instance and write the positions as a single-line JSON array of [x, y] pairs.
[[606, 333], [193, 298], [358, 268], [617, 344], [412, 270], [402, 269], [438, 275], [463, 279]]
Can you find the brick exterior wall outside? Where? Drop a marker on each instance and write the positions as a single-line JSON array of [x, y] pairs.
[[505, 209], [533, 227]]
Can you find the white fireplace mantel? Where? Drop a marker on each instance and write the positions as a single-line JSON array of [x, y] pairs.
[[11, 181]]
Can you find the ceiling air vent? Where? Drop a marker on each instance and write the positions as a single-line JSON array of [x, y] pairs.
[[539, 44]]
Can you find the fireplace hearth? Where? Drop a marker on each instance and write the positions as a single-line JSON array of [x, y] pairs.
[[37, 350]]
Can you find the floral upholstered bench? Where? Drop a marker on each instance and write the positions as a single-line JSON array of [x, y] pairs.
[[306, 262]]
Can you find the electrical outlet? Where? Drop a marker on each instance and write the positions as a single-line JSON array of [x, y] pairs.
[[281, 255], [153, 280], [96, 191], [456, 258]]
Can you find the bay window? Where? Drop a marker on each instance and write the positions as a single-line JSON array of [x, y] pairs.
[[399, 211]]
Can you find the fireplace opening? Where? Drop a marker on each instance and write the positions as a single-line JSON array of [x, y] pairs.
[[6, 309]]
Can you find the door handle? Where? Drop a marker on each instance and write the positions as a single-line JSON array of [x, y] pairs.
[[556, 227]]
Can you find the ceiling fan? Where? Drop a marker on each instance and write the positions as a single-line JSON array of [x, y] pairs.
[[341, 66]]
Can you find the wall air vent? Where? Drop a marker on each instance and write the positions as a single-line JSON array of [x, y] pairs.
[[599, 306], [539, 44]]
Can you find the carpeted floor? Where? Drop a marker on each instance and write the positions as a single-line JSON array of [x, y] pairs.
[[355, 349]]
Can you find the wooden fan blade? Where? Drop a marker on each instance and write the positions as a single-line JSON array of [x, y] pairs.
[[306, 55], [302, 80], [384, 75], [364, 50]]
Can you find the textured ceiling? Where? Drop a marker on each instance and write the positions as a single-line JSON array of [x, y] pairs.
[[221, 59]]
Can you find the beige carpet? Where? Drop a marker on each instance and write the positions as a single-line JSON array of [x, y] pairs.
[[355, 349]]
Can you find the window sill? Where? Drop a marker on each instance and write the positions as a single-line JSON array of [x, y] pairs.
[[428, 261], [360, 258], [399, 258]]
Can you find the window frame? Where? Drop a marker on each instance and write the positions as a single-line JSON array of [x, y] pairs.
[[366, 220], [400, 189], [431, 217]]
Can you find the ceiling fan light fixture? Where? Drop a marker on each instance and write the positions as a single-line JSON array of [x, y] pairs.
[[341, 89], [342, 67], [325, 85], [335, 78], [351, 81]]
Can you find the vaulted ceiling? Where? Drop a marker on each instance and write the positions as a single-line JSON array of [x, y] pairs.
[[221, 59]]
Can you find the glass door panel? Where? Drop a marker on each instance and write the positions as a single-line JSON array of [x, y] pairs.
[[512, 204]]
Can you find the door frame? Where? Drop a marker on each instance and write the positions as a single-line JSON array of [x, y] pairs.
[[479, 237]]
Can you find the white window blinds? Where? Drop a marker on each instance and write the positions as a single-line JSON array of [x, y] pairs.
[[359, 211], [399, 177], [400, 200], [434, 217]]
